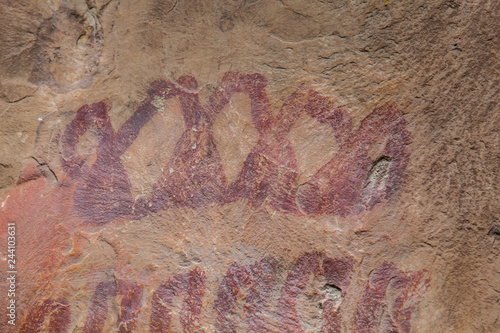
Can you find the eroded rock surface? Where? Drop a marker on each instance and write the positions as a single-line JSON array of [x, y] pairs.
[[250, 166]]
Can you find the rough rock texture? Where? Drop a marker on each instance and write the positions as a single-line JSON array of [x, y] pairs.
[[250, 165]]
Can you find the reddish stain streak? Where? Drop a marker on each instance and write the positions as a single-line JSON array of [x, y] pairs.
[[190, 286], [376, 313], [99, 307], [197, 178], [257, 280], [130, 305], [348, 184], [103, 193], [378, 310], [60, 317], [341, 186], [414, 285], [337, 273], [30, 173]]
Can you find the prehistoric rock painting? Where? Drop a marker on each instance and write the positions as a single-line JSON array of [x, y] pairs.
[[87, 280], [260, 279], [375, 312], [190, 286], [348, 184], [378, 314], [338, 275]]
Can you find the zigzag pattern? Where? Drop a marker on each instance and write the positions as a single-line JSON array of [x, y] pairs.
[[348, 184]]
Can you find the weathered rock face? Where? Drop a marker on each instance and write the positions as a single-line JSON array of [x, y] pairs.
[[249, 166]]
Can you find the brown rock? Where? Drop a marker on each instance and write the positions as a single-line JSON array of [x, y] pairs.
[[249, 166]]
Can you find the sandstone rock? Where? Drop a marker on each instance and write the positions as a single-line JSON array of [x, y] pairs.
[[249, 166]]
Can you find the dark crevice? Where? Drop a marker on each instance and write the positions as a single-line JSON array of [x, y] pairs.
[[495, 231], [47, 172]]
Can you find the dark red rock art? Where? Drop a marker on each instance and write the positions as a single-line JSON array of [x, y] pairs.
[[59, 314], [191, 287], [254, 284], [267, 293], [349, 183], [377, 313], [99, 309], [338, 275], [258, 279], [130, 305]]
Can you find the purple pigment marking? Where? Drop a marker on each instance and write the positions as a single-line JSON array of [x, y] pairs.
[[345, 185]]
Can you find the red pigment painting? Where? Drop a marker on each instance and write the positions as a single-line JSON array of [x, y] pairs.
[[267, 292], [376, 312], [348, 184]]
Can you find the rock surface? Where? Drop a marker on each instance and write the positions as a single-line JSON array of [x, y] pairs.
[[250, 166]]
